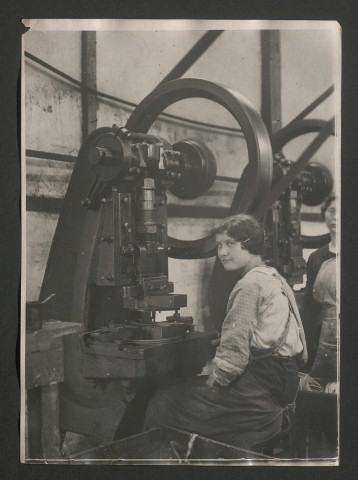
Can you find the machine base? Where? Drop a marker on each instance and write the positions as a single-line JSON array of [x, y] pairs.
[[98, 387]]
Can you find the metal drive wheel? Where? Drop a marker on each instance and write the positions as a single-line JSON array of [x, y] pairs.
[[259, 171], [282, 138]]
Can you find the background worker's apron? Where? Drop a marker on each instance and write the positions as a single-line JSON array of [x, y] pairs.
[[324, 292], [248, 411]]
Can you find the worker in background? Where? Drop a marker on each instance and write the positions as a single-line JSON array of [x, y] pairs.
[[319, 291], [324, 292], [254, 381]]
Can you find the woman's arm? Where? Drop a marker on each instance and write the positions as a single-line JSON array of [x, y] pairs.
[[233, 354]]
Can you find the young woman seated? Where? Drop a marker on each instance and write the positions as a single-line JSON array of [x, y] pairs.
[[254, 381]]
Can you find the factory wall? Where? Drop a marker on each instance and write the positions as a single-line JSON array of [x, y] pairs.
[[129, 66], [53, 115]]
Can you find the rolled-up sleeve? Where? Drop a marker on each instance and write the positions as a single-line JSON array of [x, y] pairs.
[[232, 356]]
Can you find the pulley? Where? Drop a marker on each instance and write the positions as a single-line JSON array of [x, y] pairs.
[[109, 157], [315, 183], [196, 165]]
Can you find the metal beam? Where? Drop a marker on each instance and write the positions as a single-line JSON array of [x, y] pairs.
[[89, 79], [313, 105], [194, 53], [59, 157], [271, 80]]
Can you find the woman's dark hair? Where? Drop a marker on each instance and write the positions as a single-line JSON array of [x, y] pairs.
[[331, 198], [243, 228]]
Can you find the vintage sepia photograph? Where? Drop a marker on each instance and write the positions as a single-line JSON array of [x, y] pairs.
[[181, 191]]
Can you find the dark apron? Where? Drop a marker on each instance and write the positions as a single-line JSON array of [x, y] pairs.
[[247, 412], [325, 362]]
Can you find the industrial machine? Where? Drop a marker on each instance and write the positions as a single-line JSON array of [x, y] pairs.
[[108, 264]]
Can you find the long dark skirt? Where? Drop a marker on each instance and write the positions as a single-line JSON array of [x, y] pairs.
[[325, 362], [247, 412]]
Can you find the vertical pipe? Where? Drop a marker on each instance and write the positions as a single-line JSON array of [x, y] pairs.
[[271, 80], [89, 79]]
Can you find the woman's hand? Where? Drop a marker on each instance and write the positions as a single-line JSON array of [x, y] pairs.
[[210, 382], [208, 368]]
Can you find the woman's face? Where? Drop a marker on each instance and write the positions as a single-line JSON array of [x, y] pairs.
[[330, 218], [231, 253]]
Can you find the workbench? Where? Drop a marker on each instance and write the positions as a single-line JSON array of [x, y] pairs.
[[44, 372]]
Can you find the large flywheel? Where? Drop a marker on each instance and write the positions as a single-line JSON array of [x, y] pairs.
[[258, 174]]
